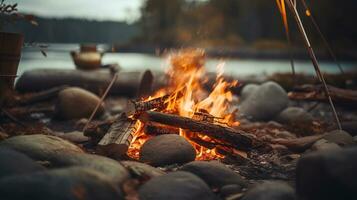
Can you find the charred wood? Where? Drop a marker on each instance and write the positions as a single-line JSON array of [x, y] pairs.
[[118, 139], [237, 138], [152, 128]]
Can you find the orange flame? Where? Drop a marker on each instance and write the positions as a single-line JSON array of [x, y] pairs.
[[188, 97]]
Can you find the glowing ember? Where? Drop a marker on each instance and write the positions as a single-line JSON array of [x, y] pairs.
[[188, 98]]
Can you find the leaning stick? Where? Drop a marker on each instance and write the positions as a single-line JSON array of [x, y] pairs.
[[313, 58]]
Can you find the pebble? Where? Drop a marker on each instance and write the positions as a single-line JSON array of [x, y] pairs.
[[342, 138], [247, 91], [294, 116]]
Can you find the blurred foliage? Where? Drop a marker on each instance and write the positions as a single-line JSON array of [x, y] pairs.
[[237, 22]]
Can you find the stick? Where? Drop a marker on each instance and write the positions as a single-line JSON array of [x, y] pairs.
[[237, 138], [115, 77], [118, 139], [307, 9], [313, 58]]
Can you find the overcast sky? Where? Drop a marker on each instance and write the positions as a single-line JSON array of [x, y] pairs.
[[119, 10]]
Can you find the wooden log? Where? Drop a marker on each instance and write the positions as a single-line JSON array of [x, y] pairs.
[[41, 96], [137, 107], [236, 138], [152, 128], [116, 142], [128, 83], [315, 93]]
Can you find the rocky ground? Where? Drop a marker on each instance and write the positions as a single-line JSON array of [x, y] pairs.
[[45, 155]]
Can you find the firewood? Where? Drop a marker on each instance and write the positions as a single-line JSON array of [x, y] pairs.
[[315, 93], [118, 139], [41, 96], [152, 128], [236, 138], [135, 107]]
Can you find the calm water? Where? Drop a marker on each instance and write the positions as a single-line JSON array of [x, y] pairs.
[[58, 57]]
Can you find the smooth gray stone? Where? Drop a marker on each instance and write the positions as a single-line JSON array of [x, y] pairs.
[[270, 190], [215, 174], [166, 150], [16, 163], [142, 169], [176, 186], [265, 103], [294, 116], [327, 175], [342, 138], [75, 183], [247, 91], [40, 147]]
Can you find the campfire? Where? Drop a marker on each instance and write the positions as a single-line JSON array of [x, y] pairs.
[[184, 107]]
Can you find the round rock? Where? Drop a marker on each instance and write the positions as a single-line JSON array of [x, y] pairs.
[[142, 169], [76, 103], [270, 190], [294, 116], [215, 174], [323, 144], [265, 103], [247, 91], [339, 137], [327, 175], [176, 186], [40, 147], [63, 184], [167, 149], [16, 163]]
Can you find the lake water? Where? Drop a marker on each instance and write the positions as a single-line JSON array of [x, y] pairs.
[[58, 57]]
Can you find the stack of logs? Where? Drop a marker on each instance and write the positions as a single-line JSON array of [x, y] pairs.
[[116, 135]]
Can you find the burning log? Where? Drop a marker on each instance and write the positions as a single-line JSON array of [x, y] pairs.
[[117, 141], [136, 107], [159, 103], [235, 138], [152, 128]]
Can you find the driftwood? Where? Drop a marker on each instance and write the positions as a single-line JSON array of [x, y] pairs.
[[236, 138], [118, 139], [316, 93], [298, 144], [128, 83], [41, 96]]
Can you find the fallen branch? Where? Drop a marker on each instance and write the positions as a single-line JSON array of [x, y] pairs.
[[41, 96], [237, 138], [316, 93]]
